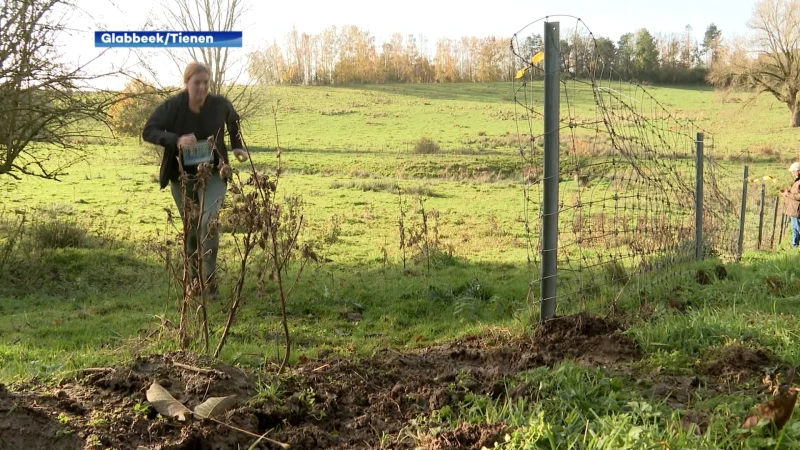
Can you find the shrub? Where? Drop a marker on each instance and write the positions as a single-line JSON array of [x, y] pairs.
[[59, 233], [426, 146], [129, 114]]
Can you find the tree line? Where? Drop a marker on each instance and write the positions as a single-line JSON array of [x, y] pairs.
[[354, 55]]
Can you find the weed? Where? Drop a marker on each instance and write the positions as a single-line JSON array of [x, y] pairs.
[[59, 233], [141, 409], [336, 112], [63, 432], [334, 230], [615, 272], [10, 244], [93, 441], [99, 418]]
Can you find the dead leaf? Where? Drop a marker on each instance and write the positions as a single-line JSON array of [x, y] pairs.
[[355, 317], [214, 406], [778, 410], [750, 421], [165, 404]]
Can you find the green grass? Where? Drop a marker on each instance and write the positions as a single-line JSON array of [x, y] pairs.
[[574, 406], [480, 116], [346, 150]]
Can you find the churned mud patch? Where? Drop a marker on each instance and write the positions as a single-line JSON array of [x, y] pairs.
[[330, 402], [358, 402], [675, 390], [26, 426], [107, 407], [585, 337], [739, 362], [467, 437]]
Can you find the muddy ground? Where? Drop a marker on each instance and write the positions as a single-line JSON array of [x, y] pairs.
[[324, 403]]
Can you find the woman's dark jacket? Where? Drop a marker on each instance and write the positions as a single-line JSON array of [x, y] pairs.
[[173, 118]]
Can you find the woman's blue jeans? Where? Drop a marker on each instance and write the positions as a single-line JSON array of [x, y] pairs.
[[211, 199]]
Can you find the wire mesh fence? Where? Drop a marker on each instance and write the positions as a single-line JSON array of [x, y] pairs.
[[766, 226], [639, 191]]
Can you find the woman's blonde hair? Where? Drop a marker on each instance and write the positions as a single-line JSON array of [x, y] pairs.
[[194, 68]]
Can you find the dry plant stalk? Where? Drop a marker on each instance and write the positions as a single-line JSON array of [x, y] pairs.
[[11, 243], [418, 234], [401, 225], [193, 214], [262, 217], [264, 227]]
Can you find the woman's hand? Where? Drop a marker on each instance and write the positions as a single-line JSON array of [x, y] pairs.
[[240, 154], [187, 140]]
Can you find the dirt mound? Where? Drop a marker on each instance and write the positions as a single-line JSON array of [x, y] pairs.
[[26, 427], [108, 407], [191, 378], [467, 437], [676, 390], [331, 403], [363, 400], [585, 337], [738, 361]]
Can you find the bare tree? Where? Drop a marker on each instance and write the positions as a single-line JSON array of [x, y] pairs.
[[329, 42], [669, 50], [227, 69], [47, 109], [768, 62], [268, 65]]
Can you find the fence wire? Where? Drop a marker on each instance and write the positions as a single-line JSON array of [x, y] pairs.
[[627, 177]]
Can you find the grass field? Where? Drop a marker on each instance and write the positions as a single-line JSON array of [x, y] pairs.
[[680, 376], [394, 117]]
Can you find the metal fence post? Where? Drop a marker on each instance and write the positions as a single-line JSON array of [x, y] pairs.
[[552, 112], [698, 208], [742, 213], [761, 215]]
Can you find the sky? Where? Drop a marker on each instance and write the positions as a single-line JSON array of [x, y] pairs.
[[266, 21]]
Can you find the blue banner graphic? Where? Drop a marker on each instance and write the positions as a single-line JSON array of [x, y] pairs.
[[168, 39]]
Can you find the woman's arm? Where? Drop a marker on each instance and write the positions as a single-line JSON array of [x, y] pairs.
[[232, 121], [155, 130]]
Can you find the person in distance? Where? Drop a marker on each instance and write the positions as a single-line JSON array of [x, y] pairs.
[[792, 207]]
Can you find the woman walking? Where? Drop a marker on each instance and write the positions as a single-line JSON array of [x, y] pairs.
[[190, 126]]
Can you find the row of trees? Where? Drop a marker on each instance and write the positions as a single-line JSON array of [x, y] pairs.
[[353, 55], [657, 58]]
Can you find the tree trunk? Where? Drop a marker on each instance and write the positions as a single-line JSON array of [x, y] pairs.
[[795, 116]]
